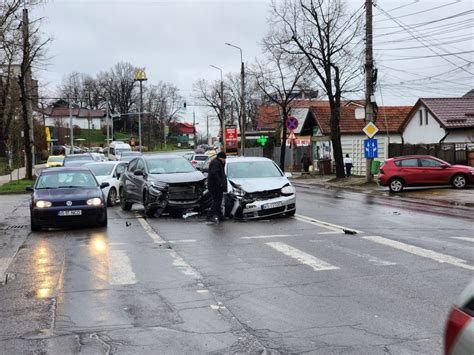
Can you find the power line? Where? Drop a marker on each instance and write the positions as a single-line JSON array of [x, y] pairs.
[[460, 40], [423, 11], [402, 57]]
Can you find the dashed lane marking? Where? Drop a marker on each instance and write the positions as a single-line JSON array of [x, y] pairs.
[[120, 268], [271, 236], [302, 257], [332, 227], [466, 239], [182, 241], [429, 254]]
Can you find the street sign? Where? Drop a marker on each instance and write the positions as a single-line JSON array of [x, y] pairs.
[[292, 123], [291, 136], [370, 130], [371, 148]]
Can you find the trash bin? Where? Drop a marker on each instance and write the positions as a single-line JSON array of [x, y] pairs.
[[375, 168], [324, 166]]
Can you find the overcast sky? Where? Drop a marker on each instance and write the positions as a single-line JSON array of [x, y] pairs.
[[176, 40]]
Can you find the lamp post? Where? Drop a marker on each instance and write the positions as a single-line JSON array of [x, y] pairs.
[[222, 108], [243, 115], [140, 76]]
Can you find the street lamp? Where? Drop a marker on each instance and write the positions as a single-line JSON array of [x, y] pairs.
[[140, 76], [243, 116], [222, 108]]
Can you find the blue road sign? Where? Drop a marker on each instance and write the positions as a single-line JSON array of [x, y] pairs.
[[371, 148], [292, 123]]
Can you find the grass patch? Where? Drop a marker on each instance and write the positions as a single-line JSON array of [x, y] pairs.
[[168, 148], [16, 186], [96, 136]]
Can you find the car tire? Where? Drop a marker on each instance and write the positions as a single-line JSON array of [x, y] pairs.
[[112, 197], [396, 185], [124, 204], [459, 181], [149, 211]]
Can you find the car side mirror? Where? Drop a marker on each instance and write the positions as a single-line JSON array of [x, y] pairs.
[[29, 188], [288, 175], [118, 175], [138, 173], [104, 185], [444, 166]]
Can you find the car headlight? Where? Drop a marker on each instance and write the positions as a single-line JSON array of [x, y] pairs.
[[288, 190], [43, 204], [94, 201]]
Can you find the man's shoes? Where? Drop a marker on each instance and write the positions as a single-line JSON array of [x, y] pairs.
[[213, 219]]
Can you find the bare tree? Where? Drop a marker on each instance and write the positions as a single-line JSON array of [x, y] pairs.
[[278, 78], [324, 34]]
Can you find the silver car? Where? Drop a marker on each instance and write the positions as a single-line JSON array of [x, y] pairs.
[[258, 188], [459, 332]]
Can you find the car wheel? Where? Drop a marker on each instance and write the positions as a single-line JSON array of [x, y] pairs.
[[126, 206], [149, 211], [459, 181], [396, 185], [112, 197]]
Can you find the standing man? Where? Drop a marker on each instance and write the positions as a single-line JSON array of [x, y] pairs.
[[217, 185], [306, 161], [348, 165]]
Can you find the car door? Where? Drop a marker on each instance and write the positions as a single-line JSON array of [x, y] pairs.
[[128, 180], [410, 171], [138, 180], [435, 172]]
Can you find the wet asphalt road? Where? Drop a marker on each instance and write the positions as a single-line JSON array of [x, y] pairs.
[[286, 285]]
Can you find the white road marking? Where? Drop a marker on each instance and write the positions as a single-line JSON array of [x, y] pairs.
[[182, 241], [271, 236], [464, 238], [322, 224], [429, 254], [372, 259], [301, 256], [338, 232], [120, 268], [178, 261], [202, 291], [4, 264]]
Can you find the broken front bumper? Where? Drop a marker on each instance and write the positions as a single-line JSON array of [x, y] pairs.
[[241, 207]]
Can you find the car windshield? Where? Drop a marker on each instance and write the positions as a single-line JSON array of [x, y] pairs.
[[122, 151], [130, 154], [55, 159], [252, 169], [78, 157], [169, 166], [66, 179], [101, 169]]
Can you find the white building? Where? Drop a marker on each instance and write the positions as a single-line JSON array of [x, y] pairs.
[[59, 115]]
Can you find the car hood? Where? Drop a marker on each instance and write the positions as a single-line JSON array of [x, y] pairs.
[[261, 184], [178, 178], [105, 178], [67, 193], [464, 167]]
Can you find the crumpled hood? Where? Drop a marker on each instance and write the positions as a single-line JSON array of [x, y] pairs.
[[67, 193], [261, 184], [178, 178]]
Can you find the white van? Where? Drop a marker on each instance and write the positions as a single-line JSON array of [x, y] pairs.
[[116, 148]]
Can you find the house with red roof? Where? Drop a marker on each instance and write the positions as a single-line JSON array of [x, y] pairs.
[[441, 120], [59, 115], [182, 133]]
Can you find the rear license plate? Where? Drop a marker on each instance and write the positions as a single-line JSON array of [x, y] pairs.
[[272, 205], [70, 213]]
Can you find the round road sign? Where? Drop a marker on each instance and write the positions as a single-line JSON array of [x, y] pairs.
[[292, 123]]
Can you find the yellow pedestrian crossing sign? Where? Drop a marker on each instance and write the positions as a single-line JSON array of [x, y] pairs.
[[370, 130], [140, 75]]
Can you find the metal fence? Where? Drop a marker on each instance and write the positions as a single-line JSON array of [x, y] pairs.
[[453, 153]]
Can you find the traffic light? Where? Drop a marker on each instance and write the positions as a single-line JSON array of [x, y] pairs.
[[262, 140]]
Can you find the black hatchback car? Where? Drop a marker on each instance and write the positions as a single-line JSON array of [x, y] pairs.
[[163, 183], [64, 197]]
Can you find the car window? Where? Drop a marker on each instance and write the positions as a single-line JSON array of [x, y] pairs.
[[120, 168], [132, 166], [407, 163], [426, 162], [140, 165], [253, 169], [100, 169], [169, 166], [66, 179], [200, 157]]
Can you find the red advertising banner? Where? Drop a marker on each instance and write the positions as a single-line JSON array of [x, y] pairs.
[[231, 137]]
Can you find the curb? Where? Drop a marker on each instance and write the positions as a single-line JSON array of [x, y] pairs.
[[15, 193]]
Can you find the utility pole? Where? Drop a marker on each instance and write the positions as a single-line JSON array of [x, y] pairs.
[[207, 129], [195, 131], [369, 78], [71, 131], [221, 109], [108, 125]]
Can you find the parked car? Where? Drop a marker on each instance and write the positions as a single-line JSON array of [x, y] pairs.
[[423, 170], [189, 155], [64, 197], [127, 156], [55, 161], [163, 183], [108, 172], [78, 159], [257, 188], [197, 160], [459, 331]]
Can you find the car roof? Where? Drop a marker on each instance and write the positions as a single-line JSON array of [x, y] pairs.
[[56, 156], [161, 156], [79, 155], [109, 162], [239, 159], [64, 169], [414, 157]]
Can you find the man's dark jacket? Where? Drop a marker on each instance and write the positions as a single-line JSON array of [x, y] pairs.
[[216, 180]]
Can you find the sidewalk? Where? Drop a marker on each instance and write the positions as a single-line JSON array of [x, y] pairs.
[[21, 173], [444, 195]]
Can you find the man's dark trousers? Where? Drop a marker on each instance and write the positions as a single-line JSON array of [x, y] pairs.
[[216, 206]]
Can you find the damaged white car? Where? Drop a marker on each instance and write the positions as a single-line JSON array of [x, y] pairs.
[[257, 188]]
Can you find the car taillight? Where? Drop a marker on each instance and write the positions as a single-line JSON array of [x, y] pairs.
[[457, 320], [194, 162]]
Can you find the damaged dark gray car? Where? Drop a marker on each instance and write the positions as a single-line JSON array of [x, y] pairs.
[[163, 184]]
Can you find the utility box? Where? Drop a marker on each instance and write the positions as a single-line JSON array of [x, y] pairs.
[[324, 166], [375, 168]]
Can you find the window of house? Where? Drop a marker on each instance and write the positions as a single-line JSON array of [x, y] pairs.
[[426, 117], [420, 113]]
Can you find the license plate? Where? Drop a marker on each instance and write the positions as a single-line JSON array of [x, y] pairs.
[[272, 205], [70, 213]]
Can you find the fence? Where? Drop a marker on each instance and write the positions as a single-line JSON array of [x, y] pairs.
[[453, 153]]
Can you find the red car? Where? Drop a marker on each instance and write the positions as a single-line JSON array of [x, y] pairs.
[[423, 170]]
